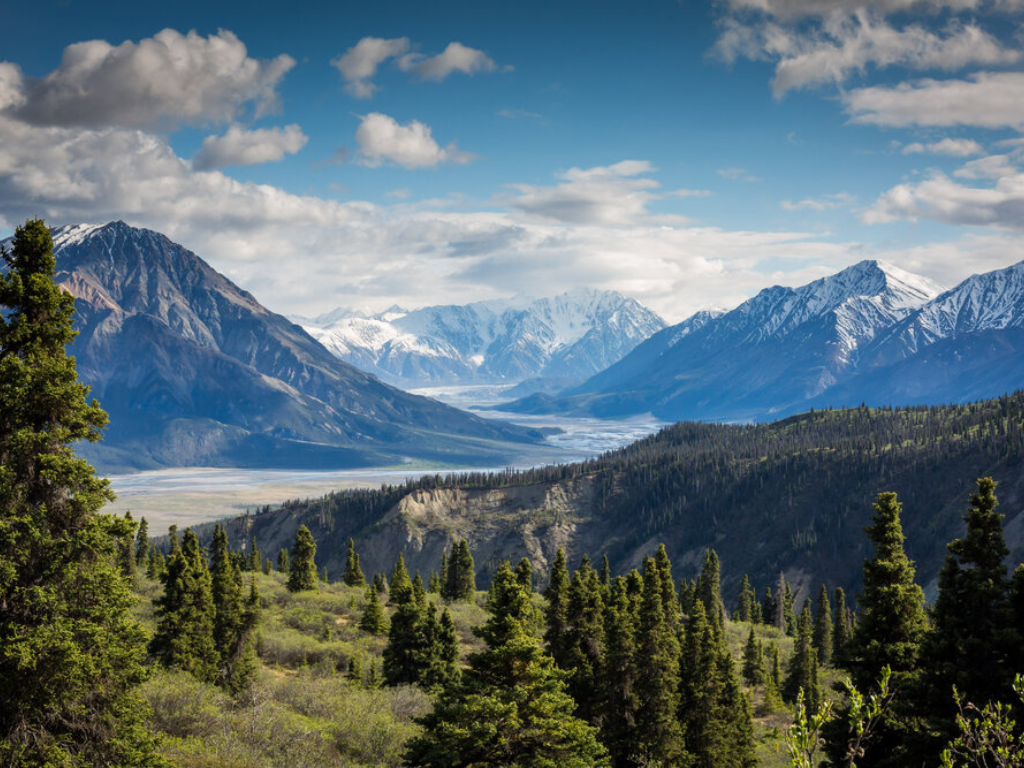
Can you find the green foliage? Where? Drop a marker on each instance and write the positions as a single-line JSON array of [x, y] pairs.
[[283, 564], [823, 627], [753, 660], [353, 574], [70, 653], [804, 739], [302, 563], [803, 666], [460, 584], [620, 693], [511, 708], [583, 651], [745, 602], [709, 587], [373, 619], [842, 628], [142, 547], [988, 736], [400, 585], [556, 612], [524, 574]]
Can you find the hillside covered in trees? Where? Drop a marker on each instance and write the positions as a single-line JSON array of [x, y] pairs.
[[790, 496]]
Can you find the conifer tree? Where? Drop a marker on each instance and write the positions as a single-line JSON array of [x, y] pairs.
[[669, 599], [973, 641], [687, 595], [1017, 605], [803, 666], [126, 549], [788, 615], [353, 575], [268, 566], [556, 612], [745, 603], [621, 698], [524, 573], [823, 628], [769, 608], [302, 562], [142, 547], [659, 736], [373, 676], [255, 557], [841, 630], [184, 636], [753, 660], [441, 670], [403, 655], [584, 642], [355, 670], [242, 663], [373, 619], [283, 565], [400, 589], [229, 623], [709, 587], [434, 584], [511, 708], [70, 651], [380, 584], [461, 583], [606, 572]]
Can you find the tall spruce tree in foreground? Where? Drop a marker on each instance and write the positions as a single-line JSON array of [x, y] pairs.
[[373, 619], [621, 697], [70, 652], [302, 563], [803, 666], [889, 631], [841, 630], [353, 575], [142, 544], [511, 708], [460, 585], [823, 627], [555, 614], [973, 639]]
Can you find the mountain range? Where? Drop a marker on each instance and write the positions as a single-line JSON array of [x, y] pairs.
[[194, 371], [540, 343], [872, 333]]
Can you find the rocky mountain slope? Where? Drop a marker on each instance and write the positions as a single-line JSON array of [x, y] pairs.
[[789, 496], [195, 371], [566, 338]]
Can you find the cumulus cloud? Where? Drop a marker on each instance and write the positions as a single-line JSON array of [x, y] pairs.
[[800, 8], [244, 147], [823, 203], [841, 45], [455, 58], [951, 147], [359, 64], [382, 140], [12, 92], [985, 100], [159, 82], [999, 204]]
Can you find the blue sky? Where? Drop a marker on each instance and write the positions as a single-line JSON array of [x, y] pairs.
[[684, 153]]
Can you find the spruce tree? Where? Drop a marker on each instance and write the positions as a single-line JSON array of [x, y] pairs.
[[184, 637], [669, 599], [511, 708], [442, 668], [973, 640], [255, 560], [524, 573], [769, 608], [803, 666], [461, 583], [302, 563], [659, 735], [606, 572], [403, 655], [823, 628], [621, 698], [126, 549], [788, 615], [709, 587], [400, 590], [745, 603], [373, 619], [584, 642], [556, 612], [841, 630], [283, 565], [142, 547], [228, 603], [70, 651], [753, 660], [353, 575]]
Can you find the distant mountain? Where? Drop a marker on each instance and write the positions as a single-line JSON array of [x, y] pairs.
[[567, 339], [774, 354], [195, 372]]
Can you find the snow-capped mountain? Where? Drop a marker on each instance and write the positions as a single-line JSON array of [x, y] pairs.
[[568, 337], [771, 355], [194, 371]]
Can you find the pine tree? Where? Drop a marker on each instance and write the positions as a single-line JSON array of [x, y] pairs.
[[1017, 605], [461, 583], [556, 612], [242, 663], [823, 628], [268, 566], [373, 619], [403, 655], [973, 641], [283, 565], [142, 547], [669, 599], [66, 621], [353, 575], [659, 736], [255, 557], [228, 604], [687, 595], [184, 636], [841, 630], [442, 668], [511, 708], [302, 563], [380, 584], [803, 666], [400, 585], [620, 695]]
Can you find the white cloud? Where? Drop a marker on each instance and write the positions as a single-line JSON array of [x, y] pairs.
[[383, 140], [455, 58], [799, 8], [823, 203], [736, 174], [689, 193], [243, 147], [951, 147], [11, 86], [159, 82], [358, 65], [941, 198], [841, 45], [985, 100]]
